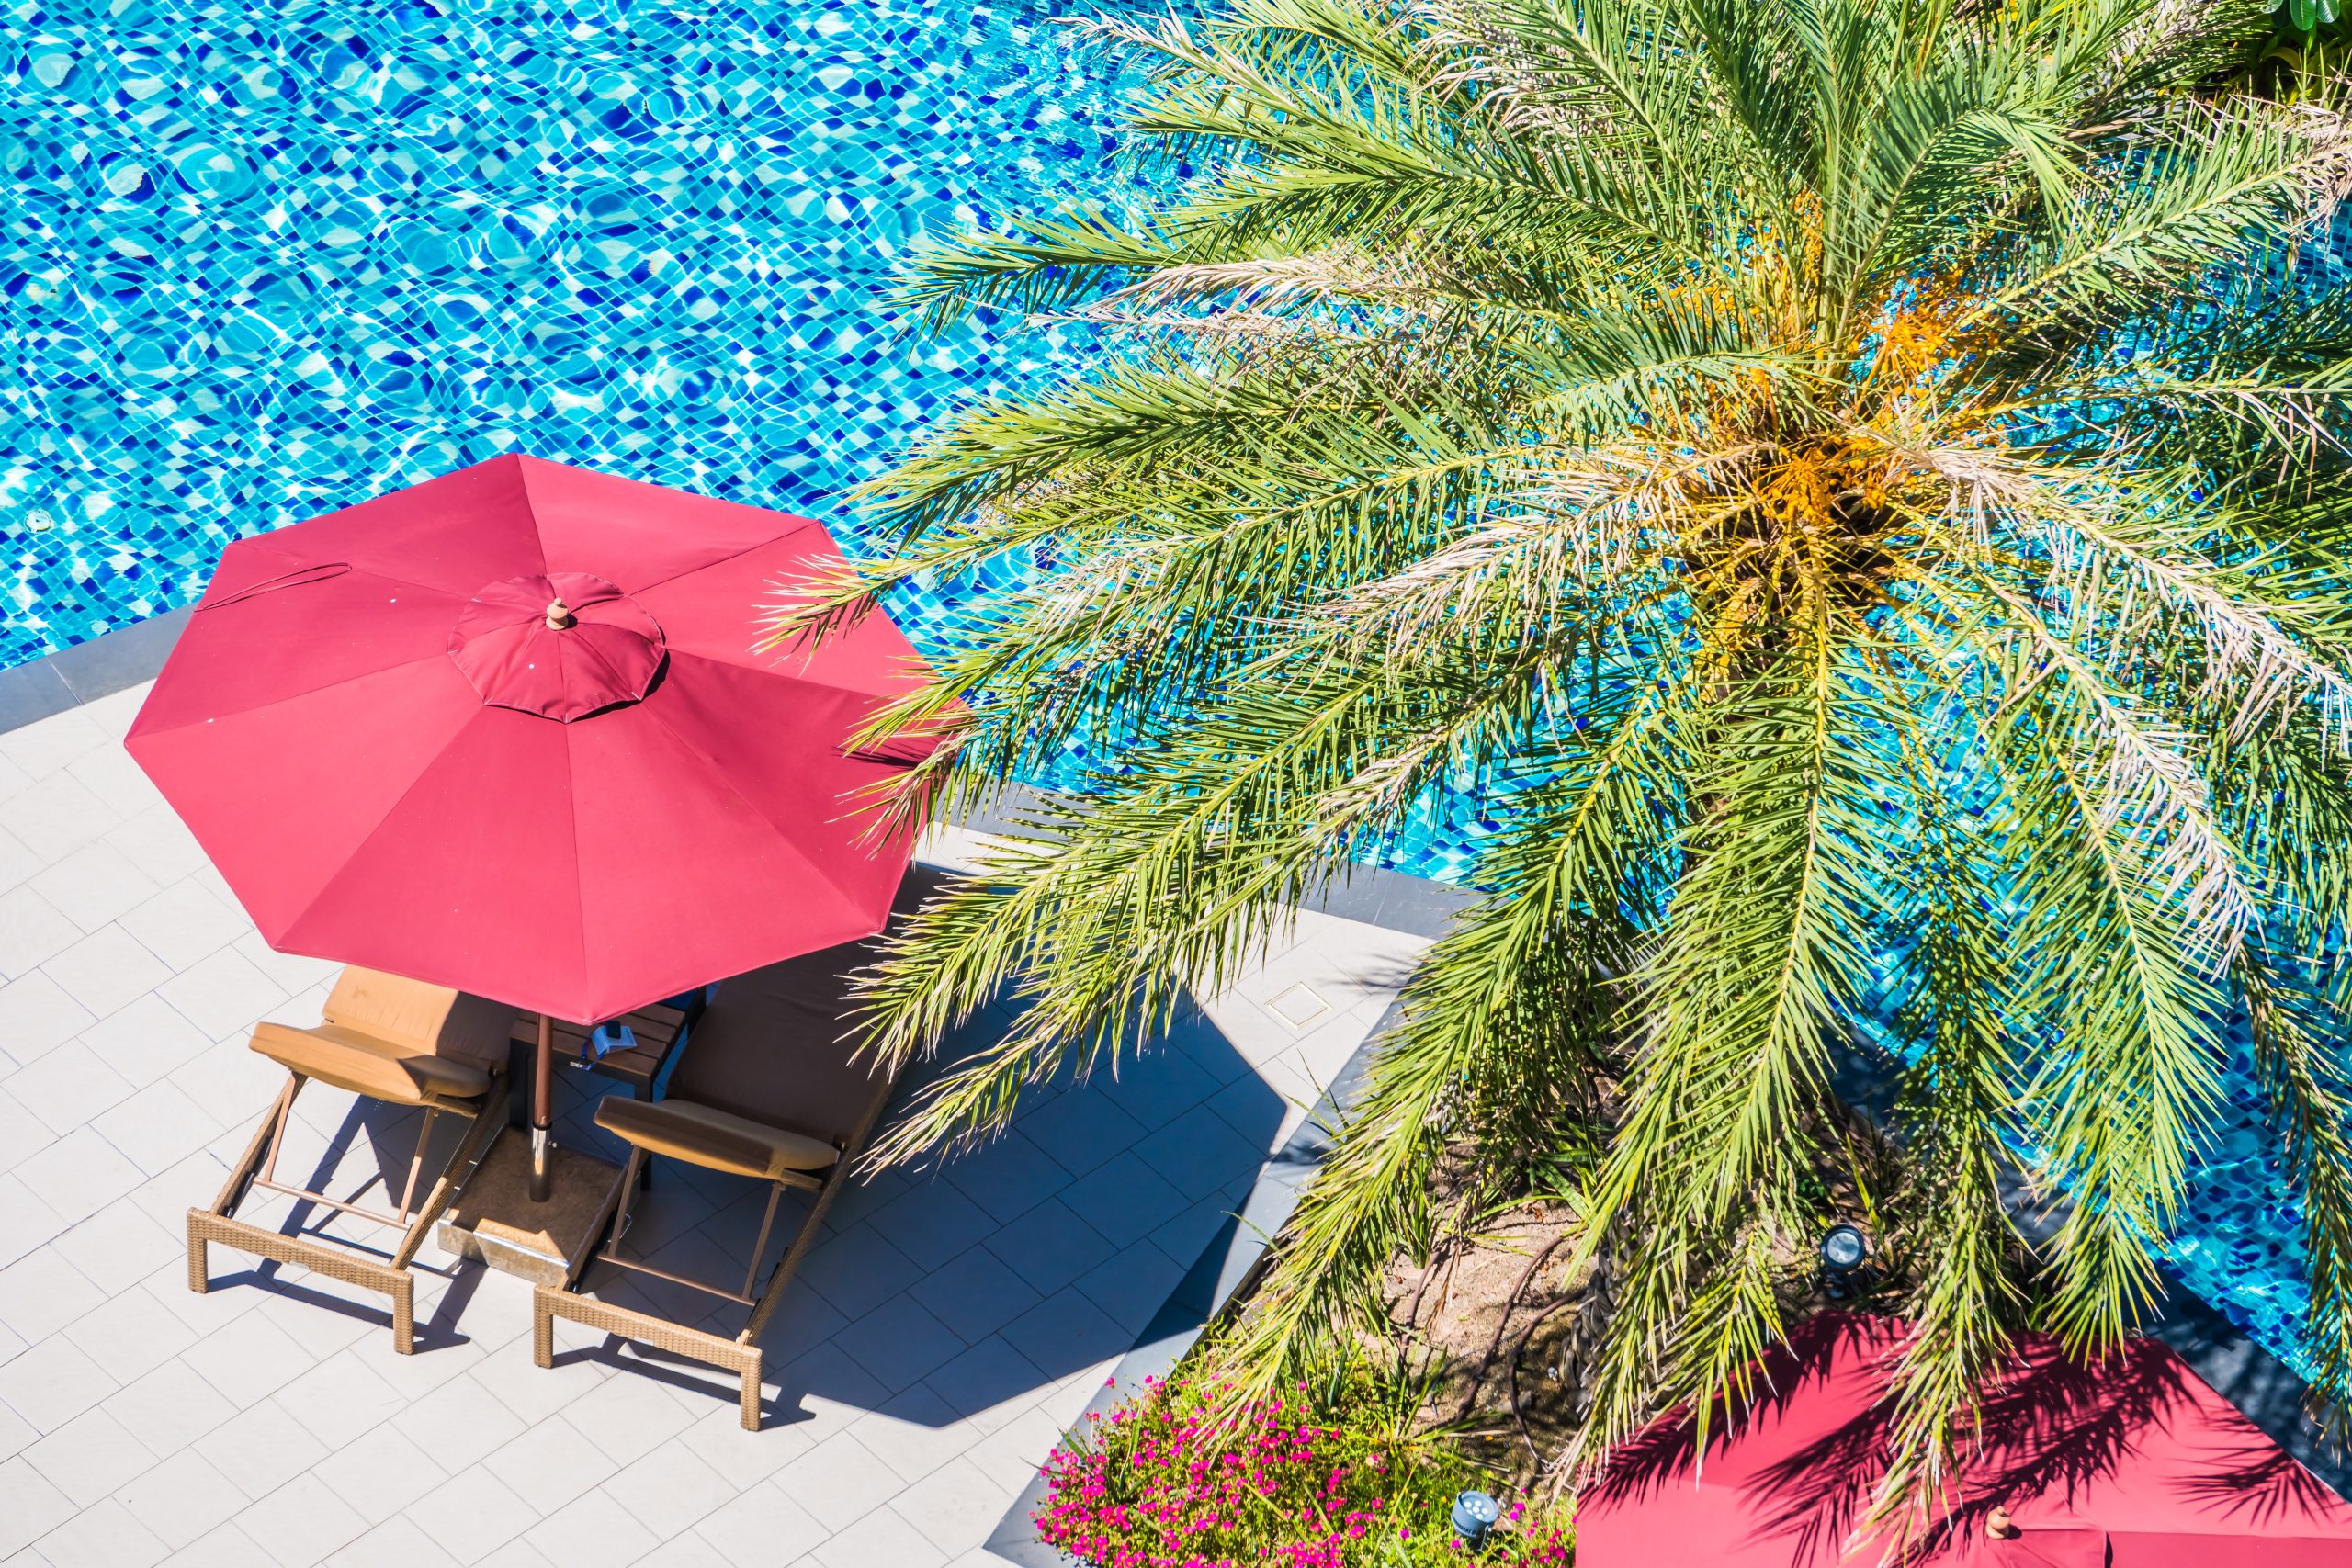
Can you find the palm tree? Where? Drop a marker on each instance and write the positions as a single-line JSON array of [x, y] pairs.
[[1848, 485]]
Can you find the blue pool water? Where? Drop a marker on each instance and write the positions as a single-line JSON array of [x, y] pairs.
[[260, 263]]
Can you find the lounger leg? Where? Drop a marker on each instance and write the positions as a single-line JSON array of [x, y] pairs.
[[637, 1163], [404, 1313], [486, 1123], [416, 1162], [750, 1396], [542, 1328], [645, 1176], [767, 1222], [785, 1265], [234, 1190]]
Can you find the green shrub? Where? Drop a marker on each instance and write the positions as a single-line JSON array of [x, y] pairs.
[[1151, 1486]]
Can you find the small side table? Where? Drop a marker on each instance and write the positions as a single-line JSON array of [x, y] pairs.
[[657, 1030]]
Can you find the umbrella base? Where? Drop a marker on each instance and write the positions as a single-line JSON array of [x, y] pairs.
[[496, 1222]]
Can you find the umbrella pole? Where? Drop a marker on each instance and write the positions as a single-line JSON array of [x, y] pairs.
[[542, 1114]]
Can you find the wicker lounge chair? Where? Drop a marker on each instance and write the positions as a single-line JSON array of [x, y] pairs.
[[763, 1088], [400, 1042]]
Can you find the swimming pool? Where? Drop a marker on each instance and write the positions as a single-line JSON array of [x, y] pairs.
[[261, 265]]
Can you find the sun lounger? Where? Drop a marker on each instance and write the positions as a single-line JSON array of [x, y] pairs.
[[764, 1089], [400, 1042]]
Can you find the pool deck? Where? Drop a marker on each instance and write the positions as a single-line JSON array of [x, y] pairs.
[[948, 1328]]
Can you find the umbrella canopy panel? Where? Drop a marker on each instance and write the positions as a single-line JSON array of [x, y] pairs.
[[510, 731], [2132, 1462]]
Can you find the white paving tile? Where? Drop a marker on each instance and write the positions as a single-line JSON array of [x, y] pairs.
[[669, 1490], [79, 1174], [59, 815], [65, 1087], [109, 773], [102, 1536], [398, 1542], [225, 1546], [380, 1473], [764, 1526], [43, 1292], [471, 1516], [592, 1531], [53, 744], [34, 1506], [171, 1408], [145, 1040], [107, 971], [131, 1336], [53, 1382], [183, 1498], [89, 1457], [25, 1222], [95, 885], [185, 923], [301, 1523], [222, 993], [881, 1540], [32, 931], [17, 861], [37, 1015]]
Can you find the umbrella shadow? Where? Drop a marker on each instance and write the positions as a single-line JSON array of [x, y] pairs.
[[974, 1281], [366, 1160]]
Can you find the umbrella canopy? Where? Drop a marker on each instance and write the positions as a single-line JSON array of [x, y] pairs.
[[510, 731], [2132, 1462]]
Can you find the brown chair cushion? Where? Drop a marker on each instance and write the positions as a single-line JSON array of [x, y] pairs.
[[716, 1139], [365, 1063], [771, 1048]]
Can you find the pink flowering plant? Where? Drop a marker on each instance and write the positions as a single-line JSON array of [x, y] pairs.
[[1296, 1483]]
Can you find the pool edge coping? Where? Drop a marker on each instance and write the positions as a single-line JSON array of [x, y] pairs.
[[85, 671]]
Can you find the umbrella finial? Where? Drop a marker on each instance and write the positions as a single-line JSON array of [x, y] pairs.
[[560, 617], [2000, 1526]]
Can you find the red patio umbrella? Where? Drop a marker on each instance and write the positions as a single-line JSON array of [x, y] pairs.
[[2132, 1463], [510, 731]]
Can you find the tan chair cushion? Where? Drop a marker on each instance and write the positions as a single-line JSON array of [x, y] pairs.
[[718, 1140], [391, 1070], [425, 1020]]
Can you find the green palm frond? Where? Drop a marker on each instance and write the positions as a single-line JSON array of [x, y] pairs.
[[1854, 492]]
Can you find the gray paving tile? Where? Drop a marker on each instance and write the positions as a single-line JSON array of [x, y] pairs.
[[932, 1221], [857, 1270], [1081, 1129], [898, 1342], [1049, 1246], [1066, 1332], [1126, 1199], [1008, 1175], [975, 1294]]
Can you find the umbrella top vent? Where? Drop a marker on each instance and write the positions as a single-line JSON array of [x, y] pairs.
[[561, 645]]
